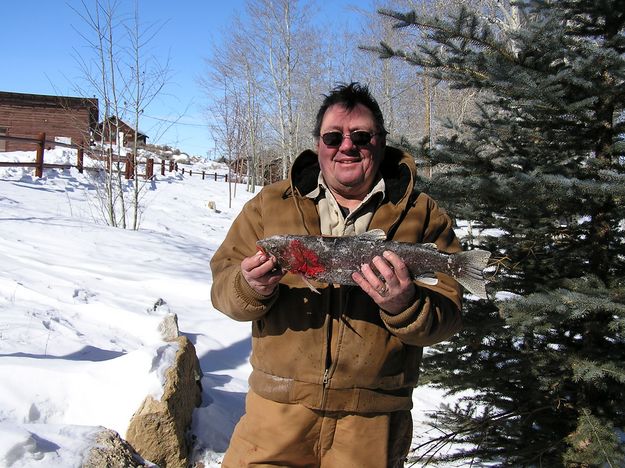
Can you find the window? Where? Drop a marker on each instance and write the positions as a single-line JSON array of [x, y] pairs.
[[3, 143]]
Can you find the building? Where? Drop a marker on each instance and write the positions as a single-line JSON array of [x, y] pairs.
[[62, 118], [111, 127]]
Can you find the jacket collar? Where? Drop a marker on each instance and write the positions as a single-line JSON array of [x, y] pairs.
[[398, 170]]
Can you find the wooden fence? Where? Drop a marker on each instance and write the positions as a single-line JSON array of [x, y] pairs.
[[127, 161], [204, 174]]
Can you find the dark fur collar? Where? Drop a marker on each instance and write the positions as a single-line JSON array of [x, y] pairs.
[[396, 169]]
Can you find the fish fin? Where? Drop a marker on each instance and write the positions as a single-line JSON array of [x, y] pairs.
[[308, 283], [429, 280], [430, 245], [373, 235], [470, 269]]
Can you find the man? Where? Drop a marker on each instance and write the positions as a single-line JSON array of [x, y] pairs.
[[333, 372]]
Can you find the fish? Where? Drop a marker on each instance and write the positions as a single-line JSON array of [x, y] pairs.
[[333, 259]]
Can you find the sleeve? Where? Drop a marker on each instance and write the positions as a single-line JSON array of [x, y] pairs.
[[435, 314], [230, 293]]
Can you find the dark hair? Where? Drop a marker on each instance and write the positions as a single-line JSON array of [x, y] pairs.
[[349, 96]]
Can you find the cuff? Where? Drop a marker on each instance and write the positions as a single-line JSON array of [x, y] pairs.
[[250, 296], [404, 318]]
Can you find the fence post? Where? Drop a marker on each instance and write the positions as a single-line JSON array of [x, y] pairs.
[[190, 172], [130, 166], [202, 175], [80, 159], [183, 171], [215, 177], [226, 178], [162, 167], [41, 144], [171, 165], [149, 169]]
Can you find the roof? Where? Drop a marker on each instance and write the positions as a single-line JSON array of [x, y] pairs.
[[120, 123], [43, 100]]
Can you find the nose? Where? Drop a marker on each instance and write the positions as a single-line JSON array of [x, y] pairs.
[[347, 143]]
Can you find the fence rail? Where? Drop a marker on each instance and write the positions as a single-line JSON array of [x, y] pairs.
[[127, 161], [204, 174]]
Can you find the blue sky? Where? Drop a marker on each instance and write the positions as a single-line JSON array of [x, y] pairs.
[[39, 40]]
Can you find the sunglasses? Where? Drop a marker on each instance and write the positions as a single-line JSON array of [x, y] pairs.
[[358, 137]]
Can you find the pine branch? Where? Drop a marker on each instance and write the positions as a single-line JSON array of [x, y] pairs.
[[426, 63], [474, 426], [586, 415], [466, 28], [586, 370], [595, 440]]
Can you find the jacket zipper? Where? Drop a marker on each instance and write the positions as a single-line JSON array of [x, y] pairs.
[[329, 357], [324, 387], [327, 364]]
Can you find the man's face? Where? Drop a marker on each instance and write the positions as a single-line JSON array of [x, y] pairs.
[[350, 170]]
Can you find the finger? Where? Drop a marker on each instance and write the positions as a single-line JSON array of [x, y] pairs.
[[258, 264], [370, 283], [386, 271], [361, 281], [371, 275], [265, 277], [249, 263], [398, 265]]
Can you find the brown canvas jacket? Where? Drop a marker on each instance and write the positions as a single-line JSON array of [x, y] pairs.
[[336, 350]]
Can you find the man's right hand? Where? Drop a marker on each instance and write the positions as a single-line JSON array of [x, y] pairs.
[[261, 273]]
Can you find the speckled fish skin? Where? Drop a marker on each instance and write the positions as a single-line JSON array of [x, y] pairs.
[[334, 259]]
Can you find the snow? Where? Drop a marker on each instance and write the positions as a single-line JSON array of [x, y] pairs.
[[79, 311]]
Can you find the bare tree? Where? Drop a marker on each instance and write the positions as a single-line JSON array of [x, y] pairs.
[[117, 73], [227, 109], [253, 124], [146, 79], [229, 134], [269, 60], [233, 70], [100, 75], [282, 29]]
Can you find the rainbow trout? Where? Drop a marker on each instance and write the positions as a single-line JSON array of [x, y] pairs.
[[334, 259]]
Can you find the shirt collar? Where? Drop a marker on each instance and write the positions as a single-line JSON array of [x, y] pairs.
[[322, 187]]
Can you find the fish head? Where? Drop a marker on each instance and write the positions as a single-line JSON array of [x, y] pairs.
[[293, 254], [274, 246]]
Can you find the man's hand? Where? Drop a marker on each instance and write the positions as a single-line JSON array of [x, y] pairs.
[[261, 273], [388, 282]]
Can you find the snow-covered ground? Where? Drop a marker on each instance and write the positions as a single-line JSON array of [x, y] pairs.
[[79, 345]]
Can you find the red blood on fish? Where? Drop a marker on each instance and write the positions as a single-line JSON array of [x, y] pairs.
[[334, 260], [304, 260]]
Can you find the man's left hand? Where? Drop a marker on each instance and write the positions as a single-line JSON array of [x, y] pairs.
[[388, 282]]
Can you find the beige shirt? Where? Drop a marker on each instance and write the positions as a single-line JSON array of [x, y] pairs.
[[333, 222]]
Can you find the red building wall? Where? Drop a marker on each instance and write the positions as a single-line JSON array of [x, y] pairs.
[[27, 115]]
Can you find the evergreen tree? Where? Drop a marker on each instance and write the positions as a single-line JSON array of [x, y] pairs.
[[540, 174]]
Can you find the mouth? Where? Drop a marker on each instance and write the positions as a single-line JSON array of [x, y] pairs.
[[351, 160]]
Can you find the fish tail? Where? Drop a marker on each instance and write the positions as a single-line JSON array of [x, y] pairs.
[[470, 266]]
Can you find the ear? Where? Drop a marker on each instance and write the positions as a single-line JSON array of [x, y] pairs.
[[382, 139]]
